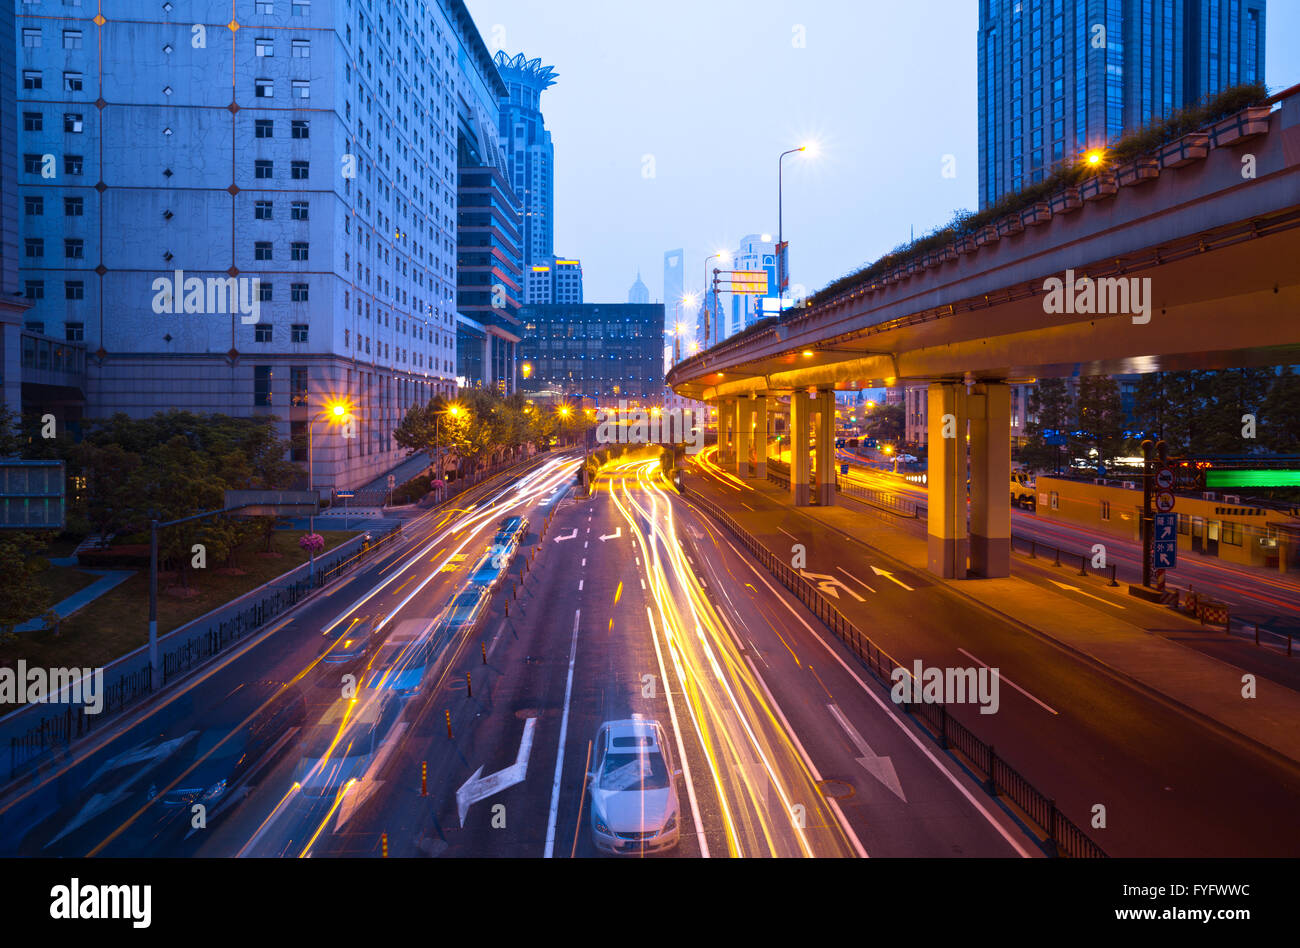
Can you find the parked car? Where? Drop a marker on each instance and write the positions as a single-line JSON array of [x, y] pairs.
[[634, 805]]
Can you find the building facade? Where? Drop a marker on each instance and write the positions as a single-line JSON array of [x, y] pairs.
[[600, 351], [756, 252], [1058, 77], [554, 280], [530, 156], [264, 246]]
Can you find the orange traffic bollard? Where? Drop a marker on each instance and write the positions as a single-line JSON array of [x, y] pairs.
[[449, 722], [424, 778], [469, 686], [383, 839], [483, 648]]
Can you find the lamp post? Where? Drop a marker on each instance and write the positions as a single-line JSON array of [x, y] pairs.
[[336, 410], [708, 333], [780, 213]]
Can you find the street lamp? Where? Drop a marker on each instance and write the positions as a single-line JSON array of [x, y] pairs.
[[725, 256], [335, 412], [780, 208]]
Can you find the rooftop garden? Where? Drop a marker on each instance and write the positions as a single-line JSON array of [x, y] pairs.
[[1066, 174]]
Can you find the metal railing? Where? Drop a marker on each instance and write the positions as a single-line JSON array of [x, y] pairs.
[[877, 498], [1038, 548], [997, 776]]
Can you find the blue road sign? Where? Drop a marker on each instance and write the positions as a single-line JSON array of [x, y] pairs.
[[346, 494], [844, 469], [1164, 549]]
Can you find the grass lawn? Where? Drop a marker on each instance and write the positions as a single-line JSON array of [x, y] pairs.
[[63, 581], [118, 622]]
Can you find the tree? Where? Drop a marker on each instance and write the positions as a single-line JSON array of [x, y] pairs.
[[1279, 421], [21, 597], [1099, 419], [886, 423], [1050, 414]]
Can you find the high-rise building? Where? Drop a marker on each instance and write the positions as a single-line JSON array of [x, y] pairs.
[[263, 245], [674, 282], [595, 350], [639, 292], [1058, 77], [756, 252], [489, 234], [554, 280], [530, 155]]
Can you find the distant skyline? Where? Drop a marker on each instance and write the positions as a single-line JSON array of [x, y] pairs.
[[661, 140]]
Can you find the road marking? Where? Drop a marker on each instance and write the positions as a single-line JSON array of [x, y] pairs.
[[1002, 677], [618, 533], [828, 584], [584, 561], [478, 788], [564, 731], [854, 578], [571, 536], [677, 734], [642, 582], [579, 585], [745, 505], [582, 802], [882, 768], [1082, 593], [789, 534], [584, 544], [890, 576]]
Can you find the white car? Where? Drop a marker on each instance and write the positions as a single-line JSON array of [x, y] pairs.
[[634, 807]]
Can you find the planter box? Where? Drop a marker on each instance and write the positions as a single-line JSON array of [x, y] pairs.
[[1099, 188], [1036, 214], [965, 245], [1063, 202], [1193, 146], [986, 235], [1146, 168], [1248, 123], [948, 253], [1010, 225]]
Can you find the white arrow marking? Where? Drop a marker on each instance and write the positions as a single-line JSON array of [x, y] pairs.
[[144, 753], [571, 536], [618, 532], [478, 788], [1082, 593], [890, 576], [882, 768], [829, 584]]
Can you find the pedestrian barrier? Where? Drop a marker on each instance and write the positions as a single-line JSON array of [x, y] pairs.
[[999, 778], [877, 498]]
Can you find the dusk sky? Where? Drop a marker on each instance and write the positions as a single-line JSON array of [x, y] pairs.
[[668, 117]]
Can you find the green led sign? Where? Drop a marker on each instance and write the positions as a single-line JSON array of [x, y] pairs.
[[1278, 478]]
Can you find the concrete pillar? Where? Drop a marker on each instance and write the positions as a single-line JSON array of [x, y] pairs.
[[946, 479], [726, 429], [761, 437], [800, 409], [824, 406], [989, 409], [744, 440]]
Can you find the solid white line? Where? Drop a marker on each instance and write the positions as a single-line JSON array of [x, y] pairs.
[[789, 534], [564, 731], [851, 576], [891, 712], [844, 823], [745, 505], [677, 734], [1002, 677]]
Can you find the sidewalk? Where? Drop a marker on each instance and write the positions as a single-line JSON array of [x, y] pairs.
[[82, 597], [1204, 685]]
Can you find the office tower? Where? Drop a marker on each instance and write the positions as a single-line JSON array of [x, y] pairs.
[[266, 244], [674, 284], [554, 280], [489, 234], [529, 153], [1057, 77], [601, 351], [639, 292], [13, 308], [742, 310]]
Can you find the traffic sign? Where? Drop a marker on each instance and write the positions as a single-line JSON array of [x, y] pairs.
[[345, 494], [1164, 478], [1164, 549], [1165, 501], [844, 469]]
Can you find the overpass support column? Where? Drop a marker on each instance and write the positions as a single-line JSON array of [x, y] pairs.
[[760, 437], [744, 436], [800, 409], [989, 406], [946, 479], [825, 450], [726, 429]]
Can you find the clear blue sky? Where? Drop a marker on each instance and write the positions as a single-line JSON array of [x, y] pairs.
[[713, 90]]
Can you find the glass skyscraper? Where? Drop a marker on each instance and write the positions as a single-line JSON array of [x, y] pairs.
[[1057, 77], [529, 153]]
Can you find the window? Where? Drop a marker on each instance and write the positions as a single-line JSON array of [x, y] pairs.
[[301, 7], [33, 205], [263, 128], [74, 206], [1054, 500], [298, 332], [264, 47], [35, 247], [298, 386], [72, 164], [301, 49], [72, 123], [263, 88], [72, 82], [1231, 533], [1105, 510], [72, 39], [299, 170], [32, 122], [262, 210], [74, 248], [301, 128], [35, 289], [298, 292], [40, 328], [266, 7], [262, 168], [262, 250], [262, 332], [74, 332], [261, 386], [298, 210], [74, 290], [301, 88], [32, 80], [31, 39], [298, 250], [32, 163], [264, 291]]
